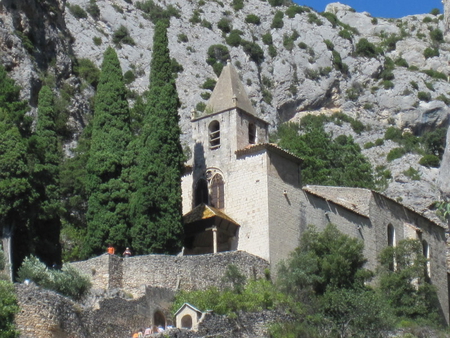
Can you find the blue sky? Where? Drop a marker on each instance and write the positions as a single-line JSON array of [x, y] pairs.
[[381, 8]]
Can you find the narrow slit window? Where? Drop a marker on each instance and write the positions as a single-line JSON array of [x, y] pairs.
[[214, 135], [251, 133]]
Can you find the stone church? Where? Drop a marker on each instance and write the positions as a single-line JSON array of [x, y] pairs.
[[243, 193]]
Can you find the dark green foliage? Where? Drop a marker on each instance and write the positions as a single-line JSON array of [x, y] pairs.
[[387, 84], [369, 145], [289, 40], [77, 11], [390, 41], [277, 21], [68, 281], [267, 39], [337, 162], [435, 74], [295, 9], [93, 9], [209, 84], [395, 153], [224, 25], [430, 161], [313, 18], [436, 35], [218, 55], [201, 106], [435, 11], [121, 35], [427, 19], [206, 24], [155, 12], [97, 40], [412, 174], [182, 37], [176, 67], [253, 50], [329, 44], [430, 52], [252, 18], [205, 95], [234, 38], [434, 141], [8, 310], [414, 85], [414, 300], [424, 96], [401, 62], [129, 77], [272, 51], [47, 156], [196, 17], [156, 203], [238, 4], [345, 34], [107, 217], [26, 41], [302, 45], [331, 17], [366, 48], [88, 71]]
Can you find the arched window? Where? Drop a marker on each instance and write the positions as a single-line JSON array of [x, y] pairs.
[[426, 253], [217, 192], [214, 135], [186, 322], [251, 133], [159, 319], [201, 192]]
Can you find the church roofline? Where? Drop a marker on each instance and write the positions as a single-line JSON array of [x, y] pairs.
[[269, 147], [225, 110]]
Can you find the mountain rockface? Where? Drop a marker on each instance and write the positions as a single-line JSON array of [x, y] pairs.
[[292, 61]]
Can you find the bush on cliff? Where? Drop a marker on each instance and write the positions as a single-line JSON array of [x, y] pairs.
[[68, 281]]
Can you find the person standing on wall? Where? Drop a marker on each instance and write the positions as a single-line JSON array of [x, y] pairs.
[[110, 249]]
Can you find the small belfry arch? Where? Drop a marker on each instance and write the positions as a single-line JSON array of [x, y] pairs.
[[214, 135]]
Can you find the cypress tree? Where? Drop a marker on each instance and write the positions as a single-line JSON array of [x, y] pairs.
[[156, 204], [46, 223], [107, 214]]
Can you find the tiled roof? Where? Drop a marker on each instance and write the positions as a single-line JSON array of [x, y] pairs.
[[229, 93], [354, 199], [268, 146], [204, 211]]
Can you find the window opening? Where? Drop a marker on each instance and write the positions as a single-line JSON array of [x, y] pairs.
[[217, 192], [214, 135], [251, 133], [391, 242], [426, 253], [186, 322]]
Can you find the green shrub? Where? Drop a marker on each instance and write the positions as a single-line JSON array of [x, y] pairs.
[[424, 96], [253, 50], [314, 19], [129, 77], [217, 57], [252, 18], [77, 11], [234, 39], [352, 94], [390, 42], [430, 52], [117, 8], [277, 21], [374, 21], [429, 85], [267, 39], [393, 134], [288, 40], [8, 310], [209, 84], [121, 35], [196, 17], [387, 84], [201, 106], [414, 85], [332, 18], [93, 9], [357, 126], [97, 40], [224, 25], [395, 153], [379, 142], [302, 45], [412, 174], [436, 35], [430, 161], [366, 48], [155, 12], [206, 24], [329, 44], [401, 62], [272, 51], [182, 38], [435, 11], [26, 42], [369, 145], [87, 70], [68, 281], [345, 34], [295, 9], [427, 19], [205, 95], [238, 5], [435, 74], [267, 96], [444, 99], [276, 3]]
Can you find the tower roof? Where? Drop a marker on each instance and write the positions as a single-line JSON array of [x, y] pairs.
[[229, 93]]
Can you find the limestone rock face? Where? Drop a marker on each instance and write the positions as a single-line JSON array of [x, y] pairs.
[[40, 42], [444, 174]]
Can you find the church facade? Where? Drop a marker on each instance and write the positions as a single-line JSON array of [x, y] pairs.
[[243, 193]]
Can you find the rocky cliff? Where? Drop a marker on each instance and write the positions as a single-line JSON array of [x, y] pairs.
[[294, 61]]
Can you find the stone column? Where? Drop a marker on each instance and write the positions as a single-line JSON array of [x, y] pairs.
[[214, 231]]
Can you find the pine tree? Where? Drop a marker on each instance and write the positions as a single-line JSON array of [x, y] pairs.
[[107, 215], [156, 204], [46, 223]]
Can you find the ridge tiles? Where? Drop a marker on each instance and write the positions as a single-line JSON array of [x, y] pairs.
[[229, 93]]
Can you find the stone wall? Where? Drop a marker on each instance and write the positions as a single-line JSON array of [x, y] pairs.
[[446, 4]]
